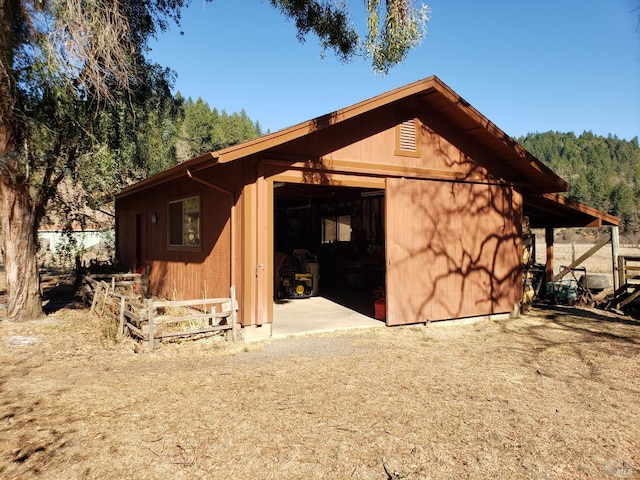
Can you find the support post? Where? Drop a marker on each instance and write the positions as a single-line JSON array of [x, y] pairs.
[[234, 313], [151, 329], [548, 238], [122, 307], [615, 253]]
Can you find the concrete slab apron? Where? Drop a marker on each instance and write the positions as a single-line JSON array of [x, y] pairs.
[[315, 315]]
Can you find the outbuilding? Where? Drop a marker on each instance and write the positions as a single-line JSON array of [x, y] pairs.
[[412, 194]]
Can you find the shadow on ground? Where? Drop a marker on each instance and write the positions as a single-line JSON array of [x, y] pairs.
[[360, 300], [59, 290], [553, 312]]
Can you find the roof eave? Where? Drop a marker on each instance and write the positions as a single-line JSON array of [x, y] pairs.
[[420, 87], [555, 210], [177, 171]]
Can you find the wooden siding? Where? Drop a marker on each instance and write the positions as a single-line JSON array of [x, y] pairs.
[[360, 151], [458, 256], [178, 274], [362, 155], [370, 141]]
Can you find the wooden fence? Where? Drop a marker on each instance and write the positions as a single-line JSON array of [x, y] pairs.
[[628, 279], [152, 320], [95, 285]]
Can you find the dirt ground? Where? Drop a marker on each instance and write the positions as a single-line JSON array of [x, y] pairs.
[[553, 394]]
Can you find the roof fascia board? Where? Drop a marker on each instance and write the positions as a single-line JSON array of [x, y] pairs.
[[266, 142], [177, 171]]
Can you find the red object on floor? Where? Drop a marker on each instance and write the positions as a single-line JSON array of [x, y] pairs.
[[380, 309]]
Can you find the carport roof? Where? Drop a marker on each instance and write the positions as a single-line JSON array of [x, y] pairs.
[[509, 161], [556, 211]]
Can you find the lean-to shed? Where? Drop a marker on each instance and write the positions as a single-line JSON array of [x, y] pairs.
[[413, 193]]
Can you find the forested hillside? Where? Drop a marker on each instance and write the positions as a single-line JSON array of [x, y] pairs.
[[185, 128], [604, 172], [138, 137], [133, 140], [202, 129]]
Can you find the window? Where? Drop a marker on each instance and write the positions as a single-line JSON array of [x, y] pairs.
[[407, 139], [184, 222], [336, 229]]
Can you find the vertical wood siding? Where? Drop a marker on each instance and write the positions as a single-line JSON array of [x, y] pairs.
[[452, 250], [174, 273], [371, 140]]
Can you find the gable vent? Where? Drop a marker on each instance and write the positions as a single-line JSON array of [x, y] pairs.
[[408, 135]]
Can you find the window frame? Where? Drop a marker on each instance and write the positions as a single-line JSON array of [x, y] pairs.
[[337, 227], [183, 246]]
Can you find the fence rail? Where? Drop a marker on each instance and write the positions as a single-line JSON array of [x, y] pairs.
[[628, 279], [127, 284], [154, 320], [151, 320]]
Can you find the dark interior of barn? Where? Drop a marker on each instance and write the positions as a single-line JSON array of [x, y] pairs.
[[329, 241]]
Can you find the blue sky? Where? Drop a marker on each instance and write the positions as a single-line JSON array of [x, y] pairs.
[[528, 66]]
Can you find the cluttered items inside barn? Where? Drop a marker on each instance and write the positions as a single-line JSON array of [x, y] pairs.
[[328, 239]]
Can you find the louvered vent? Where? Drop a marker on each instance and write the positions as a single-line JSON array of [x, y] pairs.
[[408, 136]]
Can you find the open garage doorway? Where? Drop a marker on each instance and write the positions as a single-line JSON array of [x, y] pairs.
[[329, 255]]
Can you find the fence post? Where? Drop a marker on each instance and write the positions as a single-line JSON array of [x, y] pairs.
[[122, 307], [96, 294], [104, 299], [151, 328], [234, 315], [615, 252], [622, 274]]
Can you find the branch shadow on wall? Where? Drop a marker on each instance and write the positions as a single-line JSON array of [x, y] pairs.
[[459, 254]]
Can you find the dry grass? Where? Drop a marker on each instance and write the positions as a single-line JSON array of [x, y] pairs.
[[551, 395]]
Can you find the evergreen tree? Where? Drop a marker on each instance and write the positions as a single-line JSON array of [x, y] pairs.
[[604, 172]]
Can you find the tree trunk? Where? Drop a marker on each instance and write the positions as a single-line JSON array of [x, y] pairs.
[[18, 226], [19, 251], [18, 218]]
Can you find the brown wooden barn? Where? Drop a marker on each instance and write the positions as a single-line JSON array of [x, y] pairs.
[[412, 192]]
